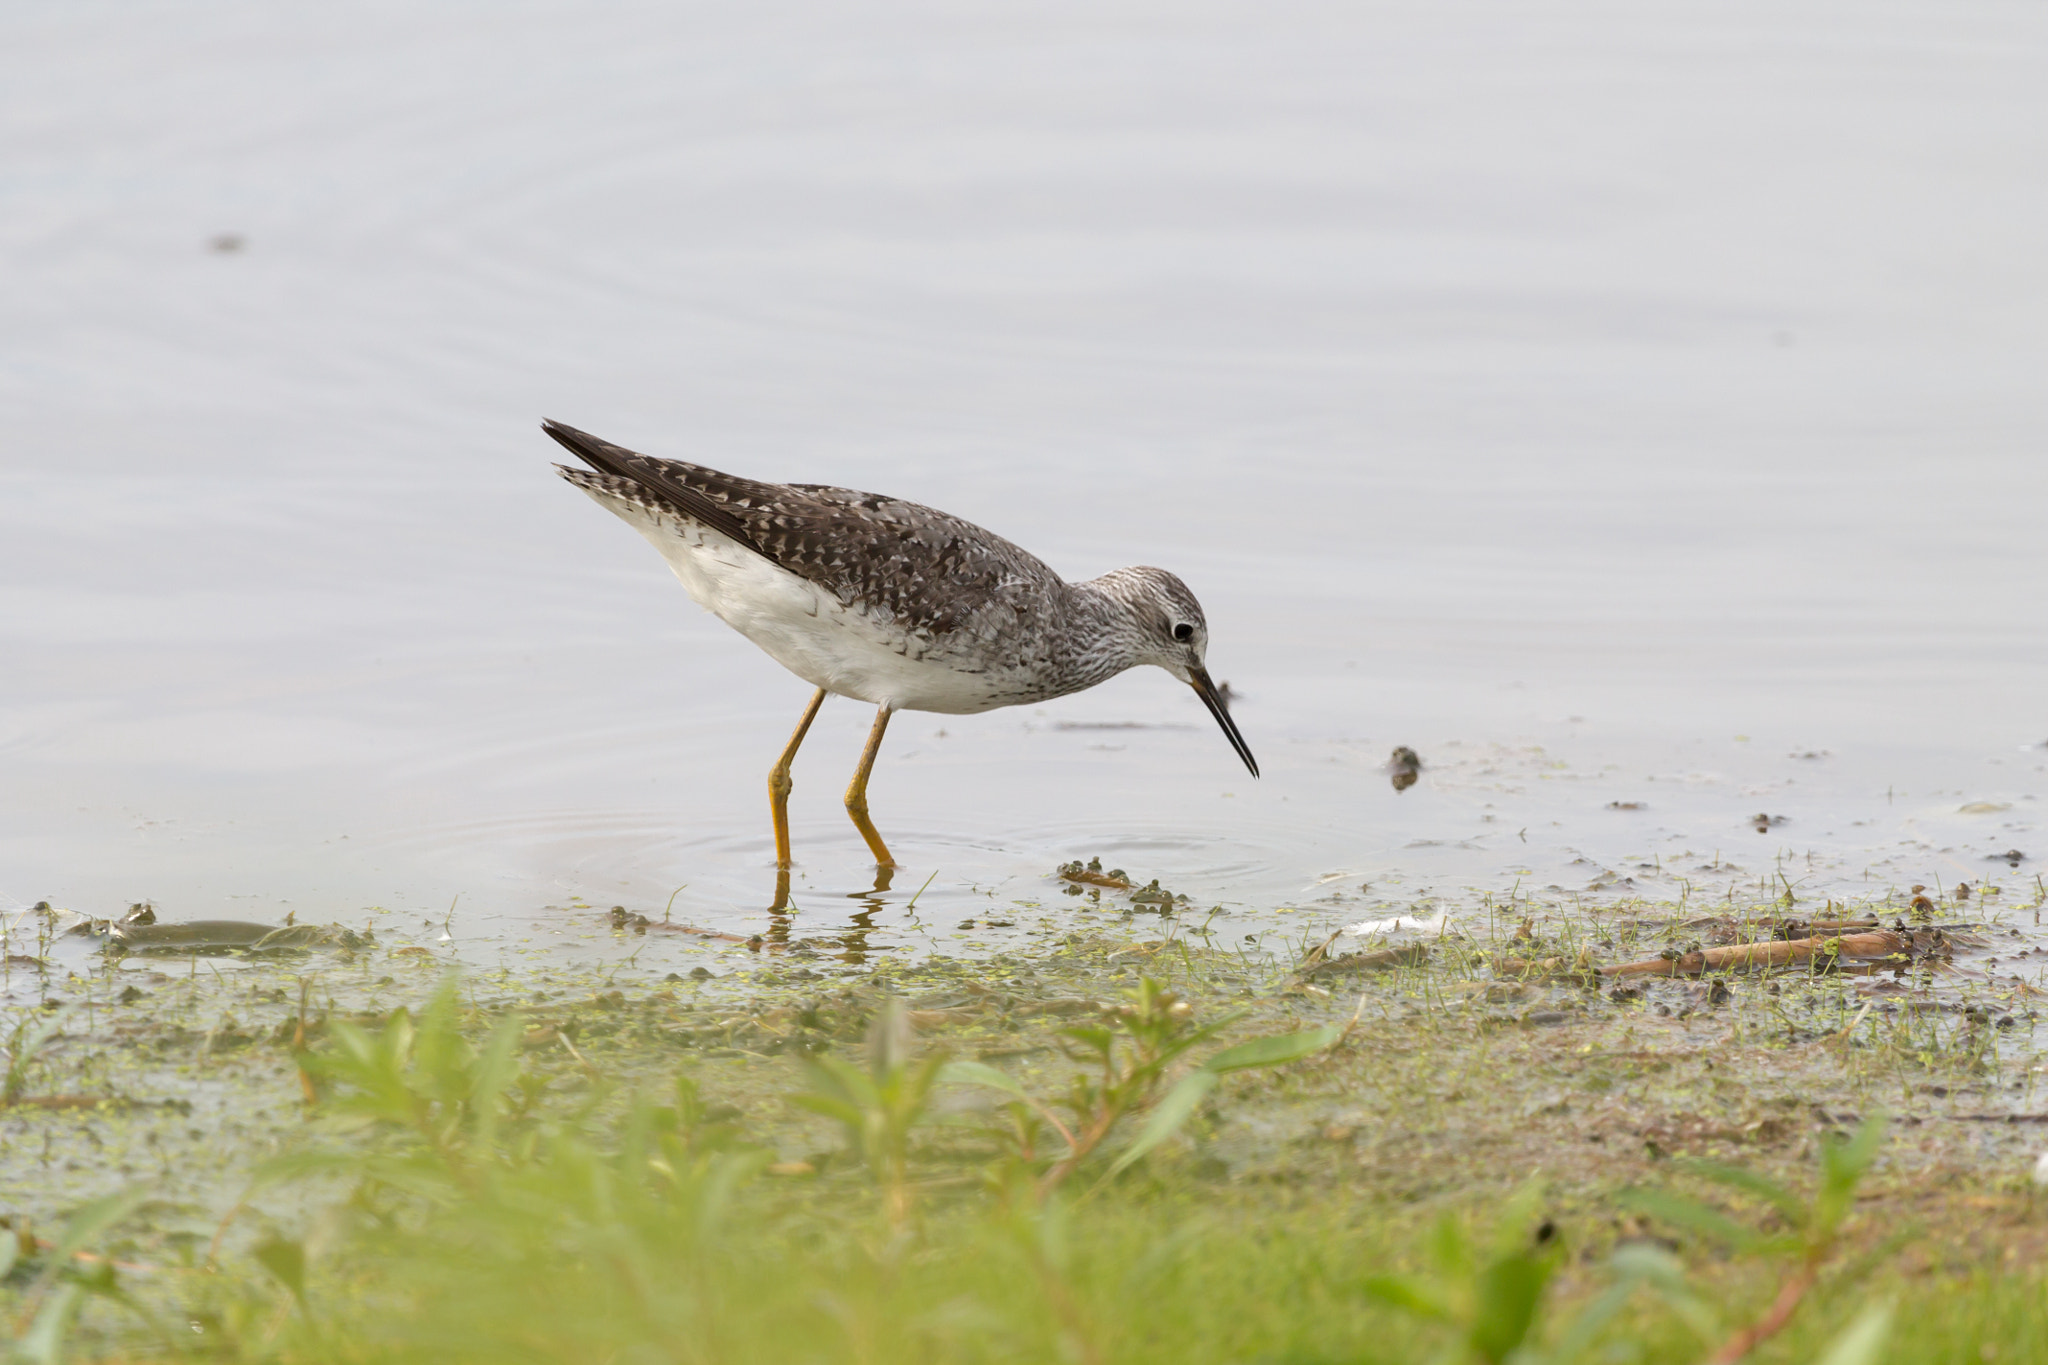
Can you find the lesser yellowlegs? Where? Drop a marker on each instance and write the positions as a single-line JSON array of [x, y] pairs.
[[887, 602]]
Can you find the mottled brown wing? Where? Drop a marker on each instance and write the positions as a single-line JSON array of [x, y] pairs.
[[921, 568], [717, 501], [930, 570]]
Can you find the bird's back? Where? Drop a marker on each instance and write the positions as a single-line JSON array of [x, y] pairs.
[[935, 593], [913, 566]]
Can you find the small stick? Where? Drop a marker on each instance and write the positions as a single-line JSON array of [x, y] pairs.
[[1411, 955], [581, 1060], [703, 933], [1772, 1322], [1777, 952], [1319, 952], [306, 1086], [1850, 1027]]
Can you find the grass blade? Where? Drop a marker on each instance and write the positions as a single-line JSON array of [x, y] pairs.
[[1285, 1047], [1166, 1116]]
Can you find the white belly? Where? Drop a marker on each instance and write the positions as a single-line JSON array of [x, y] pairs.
[[800, 625]]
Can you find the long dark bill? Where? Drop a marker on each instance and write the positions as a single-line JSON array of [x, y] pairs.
[[1206, 690]]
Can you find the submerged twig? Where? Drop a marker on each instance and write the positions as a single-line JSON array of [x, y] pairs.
[[1408, 955], [1770, 953]]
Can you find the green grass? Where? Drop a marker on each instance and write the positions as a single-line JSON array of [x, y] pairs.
[[1210, 1164], [454, 1216]]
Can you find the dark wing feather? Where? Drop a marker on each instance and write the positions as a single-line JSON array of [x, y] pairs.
[[920, 568], [703, 500]]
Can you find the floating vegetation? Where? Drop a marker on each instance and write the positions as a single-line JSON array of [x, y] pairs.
[[1116, 879], [1150, 897], [139, 931], [227, 935]]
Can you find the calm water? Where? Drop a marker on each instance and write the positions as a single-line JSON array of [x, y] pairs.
[[1617, 407]]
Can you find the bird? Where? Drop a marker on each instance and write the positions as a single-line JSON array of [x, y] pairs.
[[891, 603]]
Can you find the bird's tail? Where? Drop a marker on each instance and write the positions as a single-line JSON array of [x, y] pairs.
[[667, 486]]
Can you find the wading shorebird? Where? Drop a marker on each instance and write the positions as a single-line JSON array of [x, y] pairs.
[[891, 603]]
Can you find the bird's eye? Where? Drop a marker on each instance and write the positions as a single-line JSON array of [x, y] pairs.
[[1183, 632]]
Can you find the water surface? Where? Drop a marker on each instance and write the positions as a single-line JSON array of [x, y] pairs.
[[1637, 414]]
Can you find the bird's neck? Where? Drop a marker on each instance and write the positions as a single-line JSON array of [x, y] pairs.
[[1103, 637]]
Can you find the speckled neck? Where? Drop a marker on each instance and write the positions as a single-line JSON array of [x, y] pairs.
[[1103, 629]]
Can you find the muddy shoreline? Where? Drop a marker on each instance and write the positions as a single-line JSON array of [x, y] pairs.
[[1471, 1054]]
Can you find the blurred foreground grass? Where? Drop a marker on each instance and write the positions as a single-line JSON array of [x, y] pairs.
[[1082, 1171]]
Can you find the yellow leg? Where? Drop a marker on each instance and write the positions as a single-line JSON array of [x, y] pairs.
[[779, 784], [857, 792]]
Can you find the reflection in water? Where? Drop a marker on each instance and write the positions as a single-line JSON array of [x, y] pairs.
[[853, 941]]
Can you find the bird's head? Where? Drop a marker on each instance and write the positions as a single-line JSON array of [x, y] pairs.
[[1173, 634]]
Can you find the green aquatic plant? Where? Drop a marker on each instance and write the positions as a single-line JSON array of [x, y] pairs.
[[1491, 1298], [506, 1232], [1125, 1061], [463, 1187], [27, 1038], [1809, 1230], [66, 1279], [418, 1078], [878, 1104]]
